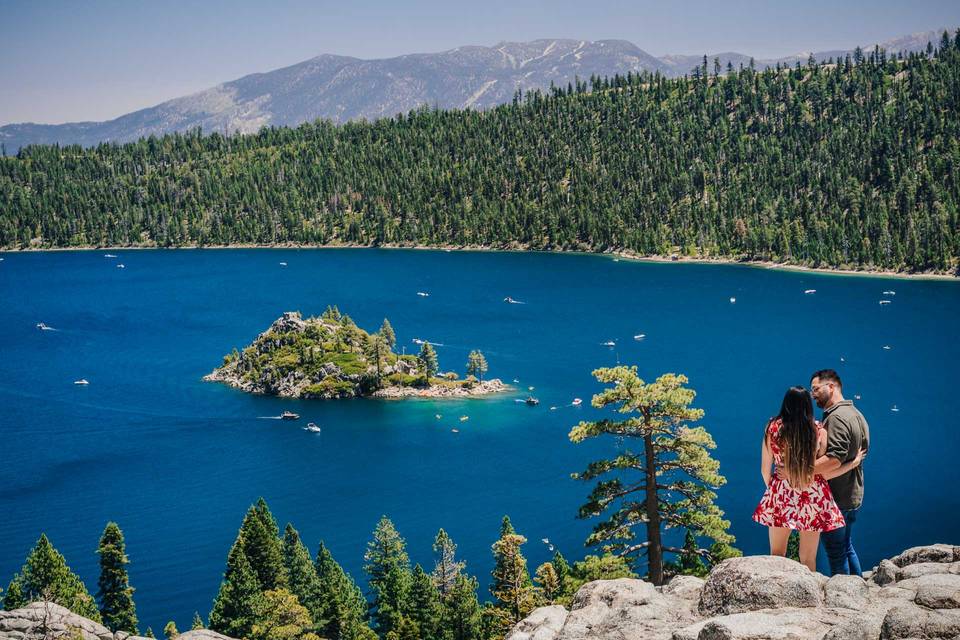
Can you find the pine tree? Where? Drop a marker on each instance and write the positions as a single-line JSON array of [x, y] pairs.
[[301, 572], [341, 606], [260, 537], [674, 474], [197, 621], [511, 586], [461, 617], [280, 616], [691, 563], [115, 593], [562, 568], [476, 365], [446, 567], [388, 570], [46, 576], [386, 330], [149, 633], [170, 630], [406, 629], [428, 361], [605, 567], [239, 595], [548, 583], [423, 606], [13, 597]]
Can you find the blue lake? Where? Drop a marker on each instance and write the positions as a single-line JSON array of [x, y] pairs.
[[176, 461]]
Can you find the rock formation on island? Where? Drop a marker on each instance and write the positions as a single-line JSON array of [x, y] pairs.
[[331, 357], [911, 596]]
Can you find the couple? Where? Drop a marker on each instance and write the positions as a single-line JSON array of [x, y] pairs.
[[817, 484]]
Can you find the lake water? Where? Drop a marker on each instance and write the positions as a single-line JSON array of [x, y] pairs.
[[176, 461]]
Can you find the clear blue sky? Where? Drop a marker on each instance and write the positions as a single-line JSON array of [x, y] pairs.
[[66, 61]]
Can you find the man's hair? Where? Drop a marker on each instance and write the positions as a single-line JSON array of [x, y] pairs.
[[827, 375]]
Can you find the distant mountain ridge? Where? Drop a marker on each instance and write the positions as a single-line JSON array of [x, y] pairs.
[[342, 88]]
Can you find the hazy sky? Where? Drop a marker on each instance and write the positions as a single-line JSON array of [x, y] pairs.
[[63, 61]]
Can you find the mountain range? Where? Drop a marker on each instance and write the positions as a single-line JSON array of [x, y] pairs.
[[342, 88]]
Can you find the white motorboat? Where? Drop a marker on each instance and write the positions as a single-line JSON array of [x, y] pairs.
[[640, 336], [733, 301], [609, 343], [886, 347], [283, 264], [810, 291], [121, 266], [884, 302], [423, 294], [577, 402], [464, 418], [312, 428], [889, 293], [109, 255], [81, 381]]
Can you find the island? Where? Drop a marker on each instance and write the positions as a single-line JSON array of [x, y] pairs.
[[331, 357]]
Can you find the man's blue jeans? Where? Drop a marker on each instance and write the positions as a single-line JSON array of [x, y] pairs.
[[839, 547]]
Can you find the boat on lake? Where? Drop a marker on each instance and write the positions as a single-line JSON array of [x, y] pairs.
[[609, 343], [464, 418], [640, 336], [531, 401], [809, 291], [577, 402], [109, 255], [312, 428], [884, 302], [289, 415], [423, 294], [121, 266], [81, 381]]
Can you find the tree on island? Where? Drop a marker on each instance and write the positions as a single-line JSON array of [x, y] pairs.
[[428, 361], [115, 593], [386, 330], [476, 365], [669, 484], [45, 576], [378, 350], [388, 568]]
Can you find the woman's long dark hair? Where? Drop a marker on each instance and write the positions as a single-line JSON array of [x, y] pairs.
[[798, 437]]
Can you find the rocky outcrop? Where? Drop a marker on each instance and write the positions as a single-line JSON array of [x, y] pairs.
[[915, 595], [443, 391], [48, 620]]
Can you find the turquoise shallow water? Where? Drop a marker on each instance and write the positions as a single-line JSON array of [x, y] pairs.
[[176, 461]]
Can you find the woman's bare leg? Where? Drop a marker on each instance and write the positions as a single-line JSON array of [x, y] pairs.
[[778, 541], [809, 542]]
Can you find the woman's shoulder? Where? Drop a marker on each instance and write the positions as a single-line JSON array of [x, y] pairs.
[[773, 426]]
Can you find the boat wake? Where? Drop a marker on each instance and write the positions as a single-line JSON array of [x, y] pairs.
[[269, 417]]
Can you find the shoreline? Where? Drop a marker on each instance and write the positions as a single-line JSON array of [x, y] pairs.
[[623, 255]]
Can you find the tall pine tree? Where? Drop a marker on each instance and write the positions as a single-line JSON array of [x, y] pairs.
[[511, 586], [261, 545], [239, 596], [446, 567], [115, 593], [46, 576], [342, 608], [388, 570], [301, 572]]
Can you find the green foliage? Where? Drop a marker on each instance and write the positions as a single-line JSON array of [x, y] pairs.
[[428, 360], [833, 165], [562, 568], [13, 598], [259, 536], [423, 606], [476, 364], [461, 617], [279, 616], [669, 483], [793, 546], [239, 596], [170, 630], [386, 331], [149, 633], [388, 570], [301, 573], [548, 583], [341, 608], [605, 567], [690, 561], [446, 567], [513, 592], [46, 576], [197, 621], [115, 593]]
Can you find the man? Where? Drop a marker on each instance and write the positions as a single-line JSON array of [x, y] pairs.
[[847, 433]]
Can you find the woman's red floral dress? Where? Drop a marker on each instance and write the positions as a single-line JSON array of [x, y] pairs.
[[812, 509]]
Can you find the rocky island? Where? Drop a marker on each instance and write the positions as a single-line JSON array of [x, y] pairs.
[[331, 357]]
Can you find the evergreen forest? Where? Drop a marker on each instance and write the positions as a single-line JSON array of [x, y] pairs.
[[850, 163]]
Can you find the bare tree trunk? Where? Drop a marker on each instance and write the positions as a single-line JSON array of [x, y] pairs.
[[655, 550]]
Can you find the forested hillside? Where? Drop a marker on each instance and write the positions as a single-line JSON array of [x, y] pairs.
[[855, 163]]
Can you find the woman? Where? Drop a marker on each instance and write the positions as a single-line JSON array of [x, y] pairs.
[[797, 498]]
